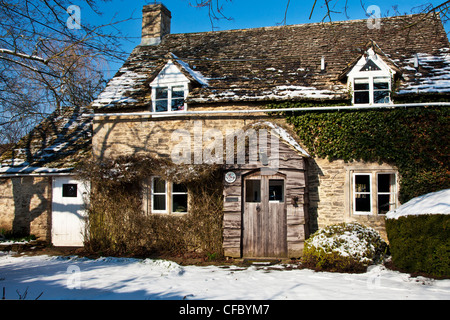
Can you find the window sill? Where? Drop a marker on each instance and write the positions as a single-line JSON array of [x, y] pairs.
[[169, 214], [372, 104]]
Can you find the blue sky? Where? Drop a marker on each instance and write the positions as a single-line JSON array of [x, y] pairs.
[[244, 14]]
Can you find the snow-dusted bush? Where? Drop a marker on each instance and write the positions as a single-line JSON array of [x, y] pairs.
[[345, 247]]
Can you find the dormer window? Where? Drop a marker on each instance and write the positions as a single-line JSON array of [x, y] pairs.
[[169, 90], [170, 98], [371, 90], [370, 80]]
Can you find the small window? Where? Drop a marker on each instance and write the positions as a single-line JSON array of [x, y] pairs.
[[168, 197], [178, 98], [253, 190], [362, 193], [69, 190], [179, 198], [169, 98], [362, 91], [159, 195], [381, 90], [374, 193], [161, 99], [386, 192], [372, 90], [276, 190]]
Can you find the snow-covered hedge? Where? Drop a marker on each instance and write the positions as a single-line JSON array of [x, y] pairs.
[[345, 247], [419, 234]]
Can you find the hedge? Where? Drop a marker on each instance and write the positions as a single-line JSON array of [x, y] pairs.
[[420, 244]]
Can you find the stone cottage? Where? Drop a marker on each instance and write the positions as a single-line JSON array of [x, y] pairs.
[[197, 98]]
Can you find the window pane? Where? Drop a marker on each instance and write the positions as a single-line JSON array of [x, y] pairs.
[[159, 185], [362, 202], [159, 202], [178, 92], [362, 183], [380, 85], [177, 104], [179, 203], [386, 182], [69, 190], [361, 85], [381, 97], [253, 191], [361, 97], [179, 188], [384, 203], [276, 190], [161, 105], [161, 93]]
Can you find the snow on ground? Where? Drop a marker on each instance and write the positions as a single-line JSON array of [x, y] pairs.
[[72, 278]]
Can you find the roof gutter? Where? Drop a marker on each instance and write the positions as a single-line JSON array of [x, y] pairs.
[[35, 174], [249, 111]]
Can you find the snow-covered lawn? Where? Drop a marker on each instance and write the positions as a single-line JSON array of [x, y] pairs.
[[73, 277]]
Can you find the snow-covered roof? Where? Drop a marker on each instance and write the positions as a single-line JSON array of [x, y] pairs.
[[284, 135], [56, 145], [285, 63], [432, 203]]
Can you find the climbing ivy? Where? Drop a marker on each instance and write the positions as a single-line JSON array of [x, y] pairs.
[[414, 139]]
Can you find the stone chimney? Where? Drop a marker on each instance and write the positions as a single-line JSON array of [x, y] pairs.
[[155, 24]]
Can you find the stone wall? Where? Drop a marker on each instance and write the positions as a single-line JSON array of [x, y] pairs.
[[330, 199], [328, 182], [25, 206], [115, 136]]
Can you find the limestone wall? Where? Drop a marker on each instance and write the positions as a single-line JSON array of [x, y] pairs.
[[25, 206]]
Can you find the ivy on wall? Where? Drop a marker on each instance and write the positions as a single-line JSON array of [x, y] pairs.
[[414, 139], [117, 225]]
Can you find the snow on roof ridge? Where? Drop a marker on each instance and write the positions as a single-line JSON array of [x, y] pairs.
[[194, 74], [283, 134]]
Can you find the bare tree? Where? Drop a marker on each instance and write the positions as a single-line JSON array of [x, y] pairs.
[[49, 59], [327, 8], [215, 9]]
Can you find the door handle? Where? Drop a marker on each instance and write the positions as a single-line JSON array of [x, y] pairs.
[[258, 208]]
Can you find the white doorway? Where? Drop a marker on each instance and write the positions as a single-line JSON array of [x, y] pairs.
[[68, 211]]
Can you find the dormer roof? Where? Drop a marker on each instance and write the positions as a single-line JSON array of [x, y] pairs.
[[286, 62]]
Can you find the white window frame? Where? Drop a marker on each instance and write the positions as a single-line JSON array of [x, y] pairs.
[[169, 88], [153, 193], [169, 77], [178, 193], [391, 193], [374, 182], [168, 193], [371, 79], [355, 193], [384, 72]]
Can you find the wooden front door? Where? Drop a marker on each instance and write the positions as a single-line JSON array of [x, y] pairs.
[[264, 217]]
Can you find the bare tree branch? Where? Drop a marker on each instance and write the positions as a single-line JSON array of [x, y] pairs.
[[44, 64]]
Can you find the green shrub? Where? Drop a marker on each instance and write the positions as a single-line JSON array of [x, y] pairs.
[[345, 247], [420, 244]]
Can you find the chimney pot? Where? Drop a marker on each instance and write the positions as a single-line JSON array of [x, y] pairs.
[[155, 24]]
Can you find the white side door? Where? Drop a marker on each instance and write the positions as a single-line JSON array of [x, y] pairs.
[[68, 211]]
